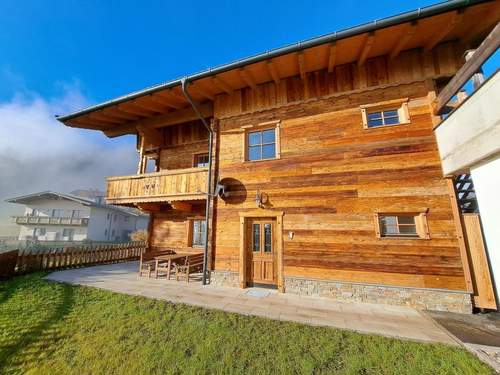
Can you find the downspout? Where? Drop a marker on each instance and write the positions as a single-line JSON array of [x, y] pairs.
[[184, 86]]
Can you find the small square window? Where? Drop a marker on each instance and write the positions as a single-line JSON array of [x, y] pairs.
[[261, 145], [404, 225], [201, 160], [392, 112]]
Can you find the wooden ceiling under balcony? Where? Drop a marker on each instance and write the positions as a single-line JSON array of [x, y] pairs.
[[169, 106]]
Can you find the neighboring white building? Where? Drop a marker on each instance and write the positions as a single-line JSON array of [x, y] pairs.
[[469, 142], [51, 216]]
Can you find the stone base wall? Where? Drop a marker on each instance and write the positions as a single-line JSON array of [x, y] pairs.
[[225, 278], [423, 299]]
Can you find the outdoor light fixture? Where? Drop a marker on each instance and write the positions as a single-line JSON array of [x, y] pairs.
[[258, 199]]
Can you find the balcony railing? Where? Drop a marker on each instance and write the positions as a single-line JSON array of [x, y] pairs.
[[174, 185], [47, 220]]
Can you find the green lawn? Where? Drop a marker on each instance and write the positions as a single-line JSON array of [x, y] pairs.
[[51, 328]]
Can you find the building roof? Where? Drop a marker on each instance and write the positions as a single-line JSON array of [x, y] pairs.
[[421, 28], [26, 199]]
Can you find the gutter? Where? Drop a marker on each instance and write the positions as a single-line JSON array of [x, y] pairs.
[[184, 86], [313, 42]]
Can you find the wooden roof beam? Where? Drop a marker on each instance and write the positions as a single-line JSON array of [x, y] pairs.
[[152, 105], [103, 117], [219, 83], [439, 35], [151, 134], [370, 39], [135, 110], [302, 65], [160, 121], [411, 30], [116, 113], [273, 71], [246, 76], [162, 100], [332, 57], [197, 89]]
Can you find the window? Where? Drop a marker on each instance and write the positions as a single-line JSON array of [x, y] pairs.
[[112, 233], [393, 112], [39, 232], [198, 229], [402, 225], [126, 219], [105, 232], [57, 212], [201, 160], [380, 118], [68, 233], [114, 217], [77, 214], [261, 145], [108, 216]]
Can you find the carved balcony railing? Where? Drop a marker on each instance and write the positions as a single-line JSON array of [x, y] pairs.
[[170, 185], [47, 220]]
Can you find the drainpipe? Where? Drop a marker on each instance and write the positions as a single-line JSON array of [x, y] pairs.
[[184, 86]]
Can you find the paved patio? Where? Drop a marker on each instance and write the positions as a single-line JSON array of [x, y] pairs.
[[392, 321]]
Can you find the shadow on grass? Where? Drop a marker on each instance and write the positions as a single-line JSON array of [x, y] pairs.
[[40, 334]]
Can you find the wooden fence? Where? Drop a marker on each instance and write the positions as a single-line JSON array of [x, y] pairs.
[[32, 260]]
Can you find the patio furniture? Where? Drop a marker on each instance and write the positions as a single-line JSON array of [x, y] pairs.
[[164, 262], [148, 262], [193, 262]]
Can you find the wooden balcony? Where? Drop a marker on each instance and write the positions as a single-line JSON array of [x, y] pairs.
[[164, 186], [47, 220]]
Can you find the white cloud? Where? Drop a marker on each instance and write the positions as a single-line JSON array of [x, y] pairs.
[[38, 153]]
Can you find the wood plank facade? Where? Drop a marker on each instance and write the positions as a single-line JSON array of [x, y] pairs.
[[311, 215]]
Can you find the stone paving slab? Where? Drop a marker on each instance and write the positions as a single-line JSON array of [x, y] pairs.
[[392, 321]]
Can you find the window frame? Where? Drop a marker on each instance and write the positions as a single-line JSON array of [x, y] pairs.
[[421, 226], [276, 125], [195, 159], [190, 229], [399, 105]]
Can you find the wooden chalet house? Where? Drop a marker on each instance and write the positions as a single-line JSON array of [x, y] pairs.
[[319, 159]]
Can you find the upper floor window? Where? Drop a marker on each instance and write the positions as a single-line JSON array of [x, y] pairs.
[[393, 112], [261, 145], [201, 160], [57, 212], [39, 232], [402, 225], [77, 214]]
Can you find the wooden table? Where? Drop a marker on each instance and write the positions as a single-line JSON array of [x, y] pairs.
[[169, 258]]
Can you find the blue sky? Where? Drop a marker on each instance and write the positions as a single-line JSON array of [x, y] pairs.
[[108, 48]]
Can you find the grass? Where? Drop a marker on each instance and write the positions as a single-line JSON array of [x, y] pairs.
[[52, 328]]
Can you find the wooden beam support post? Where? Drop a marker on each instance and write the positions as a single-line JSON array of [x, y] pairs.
[[273, 71], [218, 82], [302, 65], [441, 34], [246, 76], [367, 46], [332, 57], [411, 30]]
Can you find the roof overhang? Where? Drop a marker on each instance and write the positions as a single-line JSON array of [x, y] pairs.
[[165, 104]]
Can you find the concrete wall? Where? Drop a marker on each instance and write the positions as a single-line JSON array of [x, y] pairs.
[[110, 225], [472, 132], [486, 177]]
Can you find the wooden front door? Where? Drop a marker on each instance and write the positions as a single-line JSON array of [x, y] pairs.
[[261, 250]]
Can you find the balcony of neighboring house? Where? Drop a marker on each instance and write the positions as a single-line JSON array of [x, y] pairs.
[[48, 220]]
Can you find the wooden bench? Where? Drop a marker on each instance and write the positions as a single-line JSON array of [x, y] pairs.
[[192, 263], [148, 260]]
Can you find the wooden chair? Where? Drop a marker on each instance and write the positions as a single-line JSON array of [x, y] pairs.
[[148, 262], [191, 264]]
